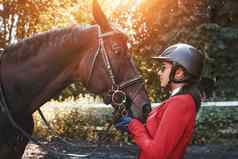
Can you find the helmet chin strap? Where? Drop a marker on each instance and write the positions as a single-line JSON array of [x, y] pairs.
[[187, 78]]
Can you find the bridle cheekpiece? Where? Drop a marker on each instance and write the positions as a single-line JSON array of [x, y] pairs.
[[116, 89]]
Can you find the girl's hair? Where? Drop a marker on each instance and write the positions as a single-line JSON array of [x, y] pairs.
[[192, 89]]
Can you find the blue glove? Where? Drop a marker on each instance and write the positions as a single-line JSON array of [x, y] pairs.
[[122, 123]]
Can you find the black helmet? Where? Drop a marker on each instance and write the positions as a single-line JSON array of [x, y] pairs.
[[184, 55]]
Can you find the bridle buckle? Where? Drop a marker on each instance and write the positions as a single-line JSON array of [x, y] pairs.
[[118, 97]]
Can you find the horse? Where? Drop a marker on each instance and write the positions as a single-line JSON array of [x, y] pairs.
[[38, 68]]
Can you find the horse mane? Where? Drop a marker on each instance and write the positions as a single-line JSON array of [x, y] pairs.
[[28, 47]]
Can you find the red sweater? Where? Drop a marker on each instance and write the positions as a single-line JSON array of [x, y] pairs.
[[168, 129]]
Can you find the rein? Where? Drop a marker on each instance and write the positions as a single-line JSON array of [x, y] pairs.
[[4, 109], [116, 90]]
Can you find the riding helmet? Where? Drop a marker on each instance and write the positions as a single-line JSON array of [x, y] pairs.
[[184, 55]]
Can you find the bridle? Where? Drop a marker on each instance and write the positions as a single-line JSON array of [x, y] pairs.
[[117, 90]]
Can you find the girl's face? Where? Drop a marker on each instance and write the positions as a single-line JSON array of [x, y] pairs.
[[164, 72]]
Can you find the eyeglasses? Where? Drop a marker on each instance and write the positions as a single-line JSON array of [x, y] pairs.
[[161, 68]]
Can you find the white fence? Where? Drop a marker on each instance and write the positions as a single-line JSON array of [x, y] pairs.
[[91, 104], [204, 104], [216, 104], [221, 104]]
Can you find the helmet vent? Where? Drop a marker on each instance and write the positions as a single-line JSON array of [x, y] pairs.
[[168, 51]]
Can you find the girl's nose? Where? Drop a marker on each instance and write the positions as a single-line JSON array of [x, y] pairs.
[[159, 72]]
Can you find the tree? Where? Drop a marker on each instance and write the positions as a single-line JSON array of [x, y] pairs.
[[151, 25], [22, 18], [209, 25], [18, 19]]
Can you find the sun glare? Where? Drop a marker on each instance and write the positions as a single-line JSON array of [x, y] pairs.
[[114, 4], [128, 6], [69, 14]]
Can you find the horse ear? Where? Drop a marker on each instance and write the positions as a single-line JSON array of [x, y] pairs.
[[100, 17]]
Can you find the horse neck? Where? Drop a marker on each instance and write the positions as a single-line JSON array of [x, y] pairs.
[[34, 81], [31, 82]]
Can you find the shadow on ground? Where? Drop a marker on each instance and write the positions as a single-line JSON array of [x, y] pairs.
[[123, 151]]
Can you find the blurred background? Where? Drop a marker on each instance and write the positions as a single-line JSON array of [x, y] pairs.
[[152, 25]]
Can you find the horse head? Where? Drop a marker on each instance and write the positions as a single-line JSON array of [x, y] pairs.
[[38, 68], [111, 72]]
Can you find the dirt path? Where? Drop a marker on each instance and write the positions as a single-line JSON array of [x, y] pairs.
[[129, 151]]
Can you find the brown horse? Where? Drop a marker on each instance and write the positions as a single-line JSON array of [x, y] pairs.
[[36, 69]]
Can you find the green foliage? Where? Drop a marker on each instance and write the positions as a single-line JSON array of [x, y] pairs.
[[152, 26], [41, 15], [221, 64], [210, 26], [214, 125], [18, 19], [86, 124]]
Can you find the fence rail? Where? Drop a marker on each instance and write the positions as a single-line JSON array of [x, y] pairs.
[[75, 104], [212, 104], [221, 104]]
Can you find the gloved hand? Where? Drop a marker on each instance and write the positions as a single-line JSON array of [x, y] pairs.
[[122, 123]]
